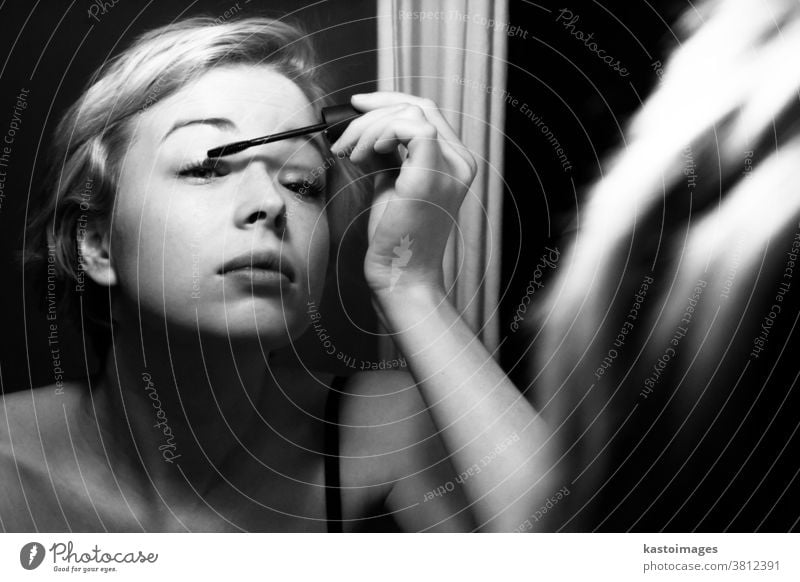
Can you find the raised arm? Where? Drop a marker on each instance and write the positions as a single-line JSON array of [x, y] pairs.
[[492, 433]]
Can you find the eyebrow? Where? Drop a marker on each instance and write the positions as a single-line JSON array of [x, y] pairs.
[[222, 123]]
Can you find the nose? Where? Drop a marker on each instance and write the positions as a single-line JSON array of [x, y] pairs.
[[260, 202]]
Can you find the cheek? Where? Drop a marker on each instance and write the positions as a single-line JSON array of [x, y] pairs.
[[311, 227], [152, 247], [318, 265]]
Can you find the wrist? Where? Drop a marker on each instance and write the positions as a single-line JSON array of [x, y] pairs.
[[406, 305]]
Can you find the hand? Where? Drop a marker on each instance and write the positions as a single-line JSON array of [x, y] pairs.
[[417, 191]]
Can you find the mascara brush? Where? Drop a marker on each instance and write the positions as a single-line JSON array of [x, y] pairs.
[[335, 120]]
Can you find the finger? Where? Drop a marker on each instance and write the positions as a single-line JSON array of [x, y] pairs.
[[371, 101], [349, 138], [411, 129], [418, 136], [371, 124], [405, 111], [368, 139]]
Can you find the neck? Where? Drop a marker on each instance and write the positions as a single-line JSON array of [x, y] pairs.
[[181, 404]]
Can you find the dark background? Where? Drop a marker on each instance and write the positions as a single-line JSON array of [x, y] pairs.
[[586, 105]]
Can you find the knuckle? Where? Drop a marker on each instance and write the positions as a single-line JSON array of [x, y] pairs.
[[428, 131], [473, 163], [465, 170], [426, 103], [413, 110]]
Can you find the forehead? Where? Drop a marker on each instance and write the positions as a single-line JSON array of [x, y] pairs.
[[258, 99]]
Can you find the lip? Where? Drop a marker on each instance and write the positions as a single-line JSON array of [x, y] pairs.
[[267, 267]]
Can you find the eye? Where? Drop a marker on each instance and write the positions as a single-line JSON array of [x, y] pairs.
[[203, 171], [306, 188]]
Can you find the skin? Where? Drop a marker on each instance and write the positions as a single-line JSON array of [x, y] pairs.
[[248, 437]]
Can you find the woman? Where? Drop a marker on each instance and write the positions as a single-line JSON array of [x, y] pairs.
[[194, 270], [667, 351]]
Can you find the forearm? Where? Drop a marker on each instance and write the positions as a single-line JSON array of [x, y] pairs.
[[497, 441]]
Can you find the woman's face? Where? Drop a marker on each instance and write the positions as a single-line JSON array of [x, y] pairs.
[[184, 234]]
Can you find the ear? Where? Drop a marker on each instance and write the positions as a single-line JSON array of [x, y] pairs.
[[94, 255]]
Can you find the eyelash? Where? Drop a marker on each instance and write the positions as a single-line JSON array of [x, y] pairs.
[[304, 188], [312, 189], [198, 166]]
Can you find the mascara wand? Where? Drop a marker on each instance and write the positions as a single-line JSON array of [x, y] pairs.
[[335, 120]]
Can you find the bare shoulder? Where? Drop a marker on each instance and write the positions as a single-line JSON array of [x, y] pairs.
[[32, 437], [28, 412], [33, 421]]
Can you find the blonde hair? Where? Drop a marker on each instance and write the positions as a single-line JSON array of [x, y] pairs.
[[680, 256], [93, 133]]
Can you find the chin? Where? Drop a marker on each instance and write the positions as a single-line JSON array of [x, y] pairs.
[[272, 326]]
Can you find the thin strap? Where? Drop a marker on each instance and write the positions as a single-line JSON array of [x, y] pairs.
[[333, 499]]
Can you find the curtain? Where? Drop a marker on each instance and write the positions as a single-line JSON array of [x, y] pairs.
[[454, 52]]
